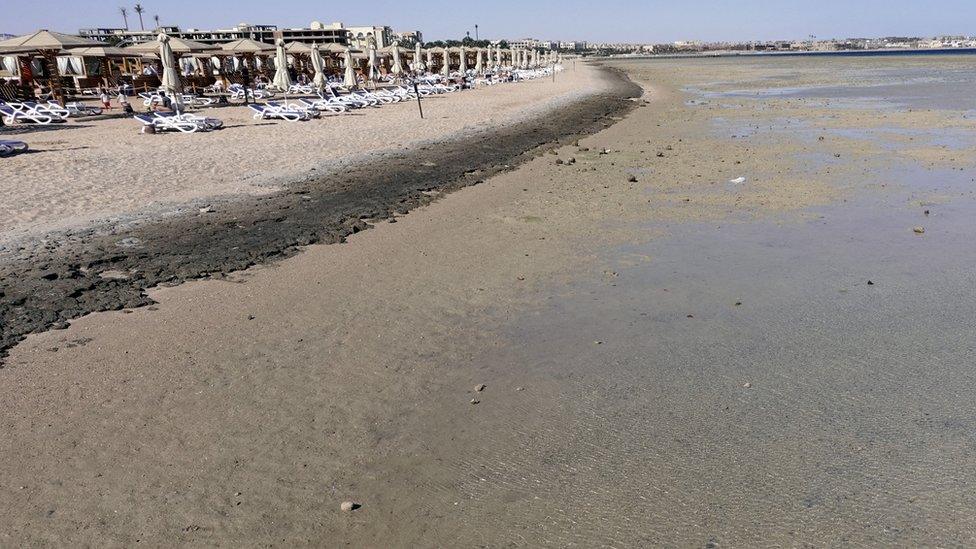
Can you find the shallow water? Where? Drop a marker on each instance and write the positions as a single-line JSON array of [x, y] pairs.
[[784, 381]]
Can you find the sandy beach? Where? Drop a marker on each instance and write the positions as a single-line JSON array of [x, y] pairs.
[[106, 171], [671, 355]]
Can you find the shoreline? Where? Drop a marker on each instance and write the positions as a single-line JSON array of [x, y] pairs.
[[55, 285], [612, 345]]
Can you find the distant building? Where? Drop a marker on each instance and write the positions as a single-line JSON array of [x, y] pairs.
[[362, 37], [572, 46], [410, 38], [316, 33]]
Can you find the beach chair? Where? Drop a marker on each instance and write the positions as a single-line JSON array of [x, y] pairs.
[[11, 115], [77, 109], [205, 123], [161, 124], [263, 112], [10, 148], [323, 105], [293, 107], [53, 110]]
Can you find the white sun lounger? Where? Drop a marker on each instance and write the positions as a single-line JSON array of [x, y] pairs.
[[11, 115], [263, 112]]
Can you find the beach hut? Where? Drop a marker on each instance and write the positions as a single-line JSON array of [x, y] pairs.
[[47, 45], [281, 80], [251, 51]]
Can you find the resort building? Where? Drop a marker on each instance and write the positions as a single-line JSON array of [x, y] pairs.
[[360, 37]]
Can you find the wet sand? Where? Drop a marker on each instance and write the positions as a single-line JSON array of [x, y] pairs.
[[670, 358]]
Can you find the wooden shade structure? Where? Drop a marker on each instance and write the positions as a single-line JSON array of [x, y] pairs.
[[48, 45]]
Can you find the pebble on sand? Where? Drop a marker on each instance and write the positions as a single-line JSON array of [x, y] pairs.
[[475, 401], [747, 385], [919, 230], [349, 506], [632, 179], [480, 387]]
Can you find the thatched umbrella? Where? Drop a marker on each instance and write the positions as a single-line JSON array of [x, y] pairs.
[[48, 45], [350, 78], [103, 54], [247, 48], [282, 80]]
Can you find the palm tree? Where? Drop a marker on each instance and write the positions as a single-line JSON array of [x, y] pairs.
[[139, 9], [125, 17]]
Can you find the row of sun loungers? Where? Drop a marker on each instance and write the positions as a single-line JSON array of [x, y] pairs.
[[50, 112]]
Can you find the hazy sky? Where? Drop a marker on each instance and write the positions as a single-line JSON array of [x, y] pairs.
[[595, 21]]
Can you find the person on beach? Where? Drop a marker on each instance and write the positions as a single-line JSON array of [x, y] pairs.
[[124, 104], [165, 103], [106, 100]]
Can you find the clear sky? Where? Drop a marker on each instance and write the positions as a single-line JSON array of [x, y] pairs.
[[592, 20]]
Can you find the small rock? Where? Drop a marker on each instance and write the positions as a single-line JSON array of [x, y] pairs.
[[559, 162], [520, 388], [520, 278], [870, 283], [737, 303], [349, 506], [660, 155], [919, 230], [632, 179], [479, 387], [207, 209], [926, 212], [747, 385], [475, 401], [393, 220]]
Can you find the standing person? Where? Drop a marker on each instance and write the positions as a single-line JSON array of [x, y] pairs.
[[124, 104], [106, 100]]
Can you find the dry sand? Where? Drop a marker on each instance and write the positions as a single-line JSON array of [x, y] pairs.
[[91, 171]]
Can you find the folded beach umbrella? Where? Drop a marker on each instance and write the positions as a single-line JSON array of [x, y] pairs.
[[170, 82], [318, 65], [535, 59], [446, 69], [374, 64], [418, 60], [464, 60], [350, 78], [430, 59], [397, 67], [498, 56], [479, 62], [282, 80]]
